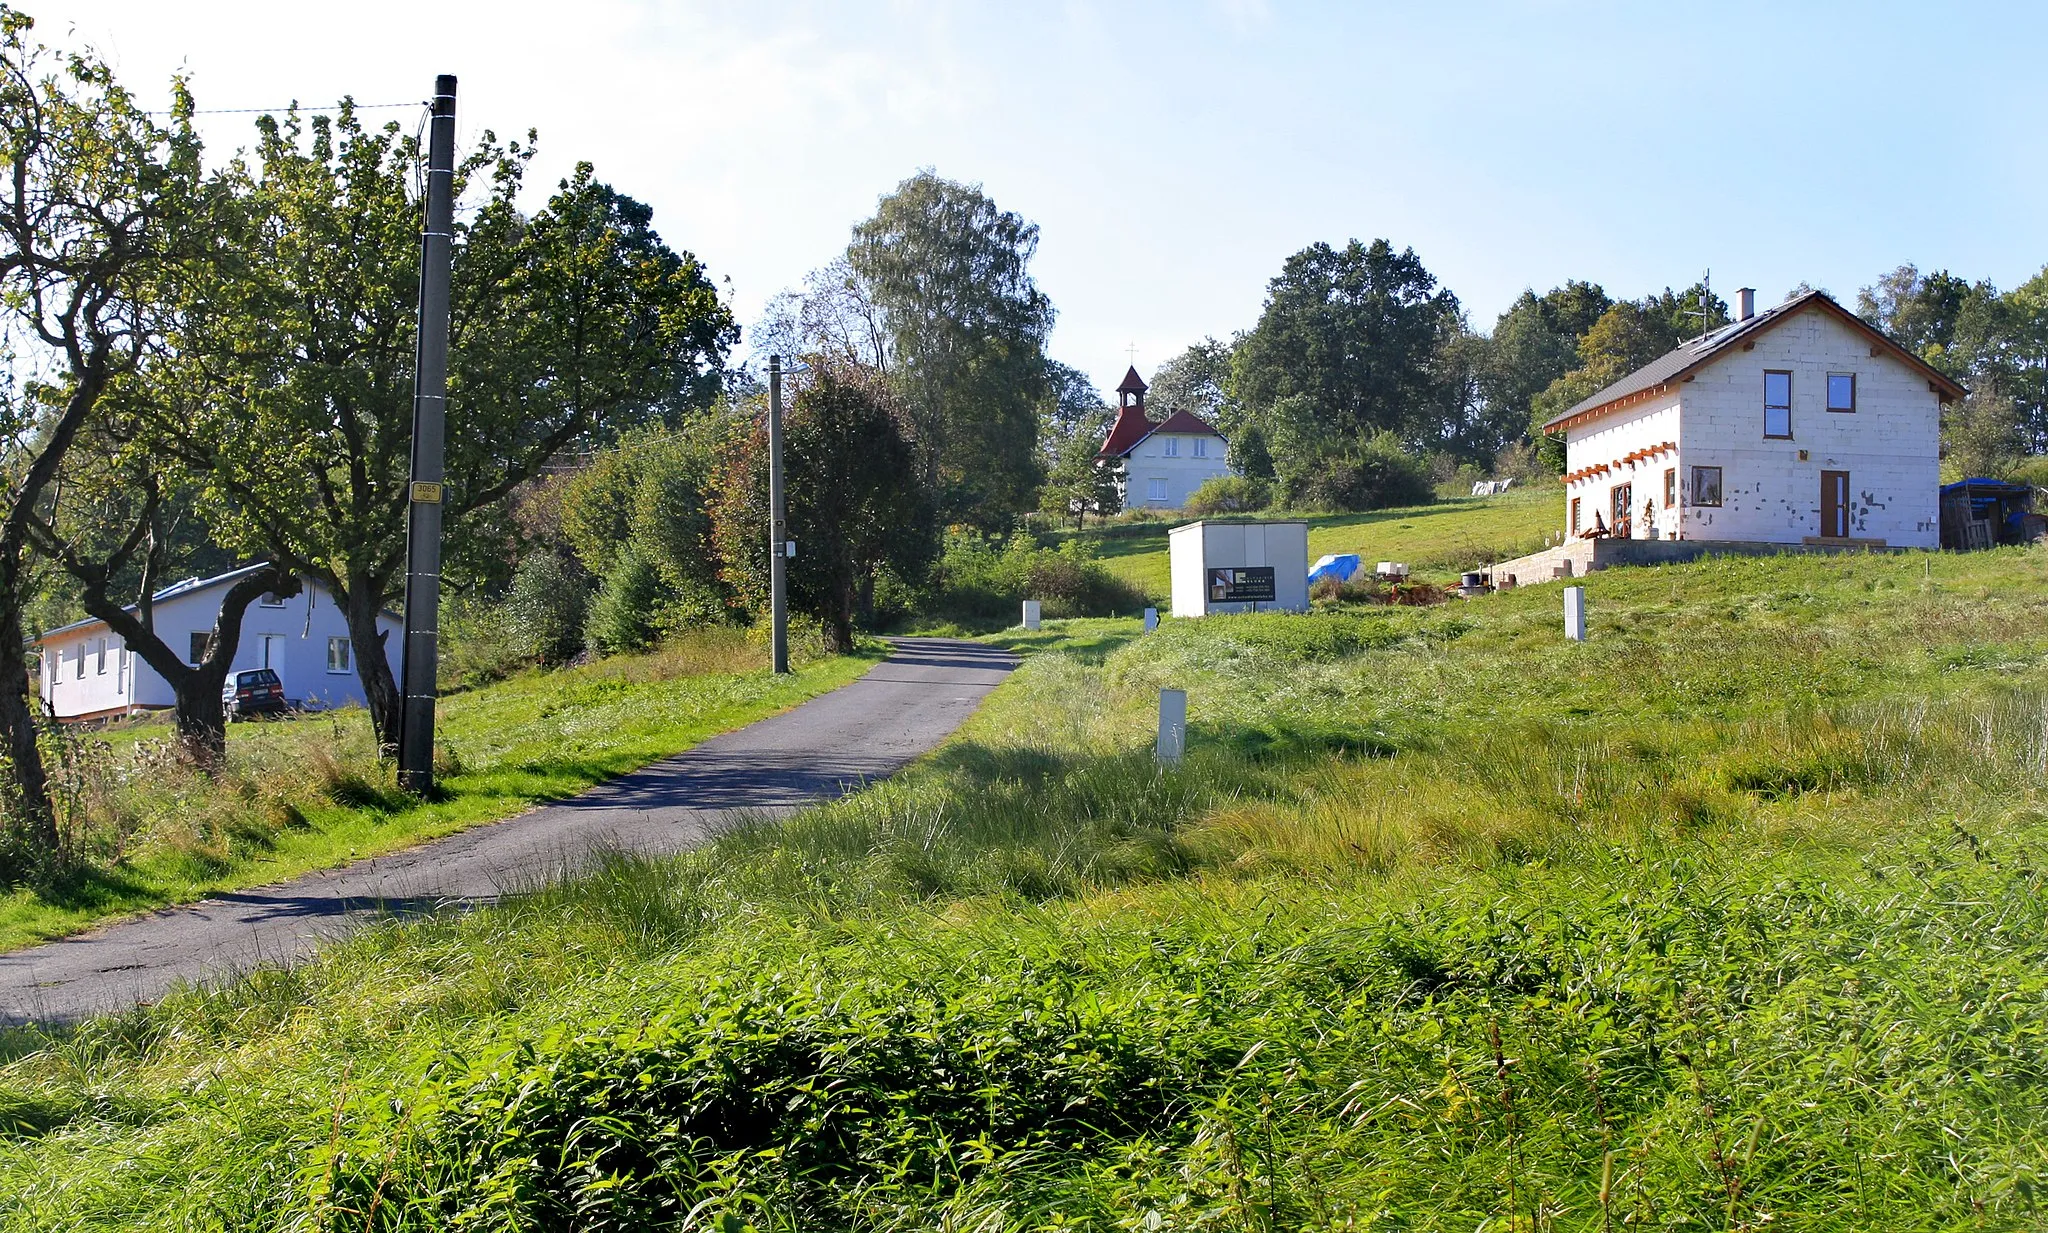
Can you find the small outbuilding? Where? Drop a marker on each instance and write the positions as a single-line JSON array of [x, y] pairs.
[[1238, 567]]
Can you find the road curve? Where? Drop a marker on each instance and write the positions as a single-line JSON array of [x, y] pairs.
[[830, 745]]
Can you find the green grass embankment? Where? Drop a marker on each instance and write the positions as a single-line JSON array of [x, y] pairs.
[[1730, 918], [1436, 540], [309, 793]]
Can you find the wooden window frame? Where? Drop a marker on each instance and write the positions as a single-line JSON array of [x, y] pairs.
[[1575, 515], [1768, 408], [1670, 487], [1830, 393], [1719, 487]]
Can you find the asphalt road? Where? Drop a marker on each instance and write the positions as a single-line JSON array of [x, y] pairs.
[[903, 707]]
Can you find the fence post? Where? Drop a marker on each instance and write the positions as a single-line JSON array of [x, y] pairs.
[[1575, 613], [1173, 725]]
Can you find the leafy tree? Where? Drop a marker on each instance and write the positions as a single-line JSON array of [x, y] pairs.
[[289, 381], [625, 614], [1356, 333], [1197, 381], [1080, 482], [88, 212], [647, 495], [854, 504], [1982, 434], [546, 605], [1535, 342], [966, 329]]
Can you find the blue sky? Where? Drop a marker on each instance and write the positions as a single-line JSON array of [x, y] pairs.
[[1175, 154]]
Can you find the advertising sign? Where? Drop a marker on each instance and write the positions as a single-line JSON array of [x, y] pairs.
[[1238, 584]]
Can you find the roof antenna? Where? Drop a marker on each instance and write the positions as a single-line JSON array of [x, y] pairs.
[[1705, 310]]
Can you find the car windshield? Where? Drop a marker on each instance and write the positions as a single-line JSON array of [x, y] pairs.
[[261, 676]]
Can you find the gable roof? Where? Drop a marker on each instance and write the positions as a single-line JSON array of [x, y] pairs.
[[1132, 428], [1674, 366], [178, 590]]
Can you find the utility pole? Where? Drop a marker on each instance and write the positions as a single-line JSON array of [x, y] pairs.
[[778, 538], [417, 675]]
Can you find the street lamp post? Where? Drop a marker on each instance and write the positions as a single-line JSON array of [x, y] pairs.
[[778, 537]]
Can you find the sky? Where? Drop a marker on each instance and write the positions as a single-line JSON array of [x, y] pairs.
[[1174, 154]]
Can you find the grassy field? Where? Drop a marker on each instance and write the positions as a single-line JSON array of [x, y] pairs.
[[1436, 541], [1730, 918], [309, 793]]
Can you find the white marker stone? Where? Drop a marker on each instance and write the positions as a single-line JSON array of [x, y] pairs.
[[1173, 725], [1575, 613], [1031, 614]]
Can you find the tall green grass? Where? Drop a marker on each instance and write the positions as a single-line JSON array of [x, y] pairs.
[[1729, 918]]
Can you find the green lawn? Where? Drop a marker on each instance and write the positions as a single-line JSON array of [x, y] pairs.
[[307, 793], [1732, 917], [1436, 540]]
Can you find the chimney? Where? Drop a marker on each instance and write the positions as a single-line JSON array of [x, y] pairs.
[[1745, 303]]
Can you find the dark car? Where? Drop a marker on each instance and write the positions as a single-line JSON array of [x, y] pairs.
[[255, 692]]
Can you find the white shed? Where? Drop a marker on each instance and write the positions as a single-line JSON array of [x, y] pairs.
[[1238, 567], [89, 673]]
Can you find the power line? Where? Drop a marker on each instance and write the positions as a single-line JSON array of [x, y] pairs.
[[250, 111]]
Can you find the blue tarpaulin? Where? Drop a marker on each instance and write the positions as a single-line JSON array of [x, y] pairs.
[[1338, 565]]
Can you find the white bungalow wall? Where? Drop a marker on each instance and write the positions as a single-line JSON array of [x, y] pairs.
[[1178, 474], [296, 632], [1610, 440]]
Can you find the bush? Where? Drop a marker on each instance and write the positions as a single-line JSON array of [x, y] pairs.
[[1229, 494], [546, 607], [625, 615], [1378, 475], [978, 581]]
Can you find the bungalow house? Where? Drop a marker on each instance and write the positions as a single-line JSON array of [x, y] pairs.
[[89, 673], [1798, 425], [1163, 463]]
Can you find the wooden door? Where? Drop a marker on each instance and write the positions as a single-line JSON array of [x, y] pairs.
[[1834, 504], [1618, 519]]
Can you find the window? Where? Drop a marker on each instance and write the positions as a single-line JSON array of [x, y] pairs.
[[1841, 391], [1575, 515], [1778, 404], [272, 600], [1670, 487], [1201, 447], [1706, 485], [1155, 490], [1173, 447], [337, 655], [201, 639], [80, 665], [100, 666]]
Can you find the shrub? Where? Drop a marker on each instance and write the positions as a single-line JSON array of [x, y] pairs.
[[546, 607], [977, 580], [478, 643], [1377, 475], [625, 614], [1229, 494]]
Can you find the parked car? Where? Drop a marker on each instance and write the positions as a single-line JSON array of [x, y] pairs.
[[255, 692]]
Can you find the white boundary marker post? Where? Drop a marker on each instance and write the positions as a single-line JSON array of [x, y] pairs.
[[1575, 613], [1173, 725], [1031, 614], [1151, 619]]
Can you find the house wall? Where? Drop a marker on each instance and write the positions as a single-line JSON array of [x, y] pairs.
[[103, 687], [301, 627], [1183, 473], [1890, 445], [1612, 439]]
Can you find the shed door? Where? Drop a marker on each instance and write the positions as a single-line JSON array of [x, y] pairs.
[[1834, 504]]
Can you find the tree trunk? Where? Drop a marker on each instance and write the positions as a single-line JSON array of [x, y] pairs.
[[373, 669], [839, 622], [38, 821]]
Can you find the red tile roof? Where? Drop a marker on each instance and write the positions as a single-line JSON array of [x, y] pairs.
[[1131, 428], [1188, 423], [1133, 383]]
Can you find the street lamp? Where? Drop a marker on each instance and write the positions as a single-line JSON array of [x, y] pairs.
[[780, 547]]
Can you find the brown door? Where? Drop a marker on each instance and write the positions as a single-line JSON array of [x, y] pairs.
[[1834, 504], [1624, 495]]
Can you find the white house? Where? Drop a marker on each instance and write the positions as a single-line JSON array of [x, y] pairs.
[[1801, 424], [89, 673], [1163, 463]]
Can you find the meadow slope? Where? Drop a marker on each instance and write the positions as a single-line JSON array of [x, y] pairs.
[[1729, 918]]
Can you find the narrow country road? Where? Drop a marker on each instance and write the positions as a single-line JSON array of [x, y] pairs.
[[903, 707]]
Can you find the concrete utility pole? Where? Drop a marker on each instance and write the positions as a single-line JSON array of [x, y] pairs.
[[778, 539], [417, 672]]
